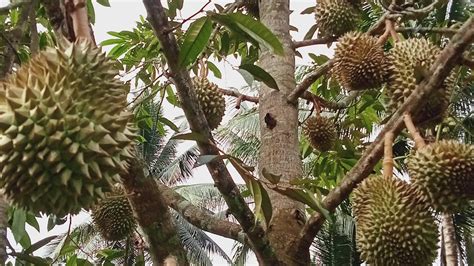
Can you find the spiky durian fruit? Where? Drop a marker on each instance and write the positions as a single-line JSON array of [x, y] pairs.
[[321, 132], [394, 225], [113, 216], [444, 172], [409, 59], [359, 62], [211, 101], [335, 17], [64, 134]]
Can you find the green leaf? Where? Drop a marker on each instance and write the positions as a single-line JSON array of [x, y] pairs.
[[308, 10], [32, 259], [39, 244], [247, 76], [111, 42], [217, 73], [118, 50], [240, 168], [274, 179], [25, 241], [253, 28], [31, 220], [91, 12], [195, 40], [260, 75], [261, 199], [306, 198], [168, 122], [266, 204], [191, 136], [110, 254], [18, 224], [104, 2]]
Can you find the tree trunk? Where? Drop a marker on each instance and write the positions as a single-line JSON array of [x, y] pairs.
[[154, 217], [279, 152], [450, 246]]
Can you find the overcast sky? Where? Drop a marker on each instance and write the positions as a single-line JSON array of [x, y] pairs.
[[122, 16]]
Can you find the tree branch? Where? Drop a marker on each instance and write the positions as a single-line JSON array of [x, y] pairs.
[[308, 80], [443, 65], [304, 43], [199, 217], [448, 31], [197, 122], [153, 215]]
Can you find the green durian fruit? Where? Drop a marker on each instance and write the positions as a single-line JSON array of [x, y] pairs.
[[211, 101], [336, 17], [409, 59], [394, 226], [113, 216], [321, 132], [444, 172], [64, 132], [359, 62]]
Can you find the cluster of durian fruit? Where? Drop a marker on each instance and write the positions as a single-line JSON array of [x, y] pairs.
[[360, 63], [395, 219], [66, 136]]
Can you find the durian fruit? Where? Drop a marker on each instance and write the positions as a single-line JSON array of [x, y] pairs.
[[113, 216], [252, 7], [64, 132], [394, 226], [409, 59], [211, 101], [321, 132], [444, 172], [359, 62], [335, 17]]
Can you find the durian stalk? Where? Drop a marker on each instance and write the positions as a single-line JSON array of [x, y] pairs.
[[78, 12], [448, 232], [449, 243], [388, 155], [415, 134]]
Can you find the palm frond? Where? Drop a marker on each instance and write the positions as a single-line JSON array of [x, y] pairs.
[[180, 168], [202, 195], [240, 254], [198, 244]]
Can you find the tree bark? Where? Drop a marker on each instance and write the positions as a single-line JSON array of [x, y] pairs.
[[450, 244], [197, 122], [153, 216], [279, 152]]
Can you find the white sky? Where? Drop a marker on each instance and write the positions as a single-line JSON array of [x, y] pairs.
[[122, 16]]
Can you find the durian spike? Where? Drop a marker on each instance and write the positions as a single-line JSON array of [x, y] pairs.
[[415, 134], [388, 155]]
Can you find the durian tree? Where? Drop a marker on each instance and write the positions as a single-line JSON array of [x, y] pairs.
[[307, 141]]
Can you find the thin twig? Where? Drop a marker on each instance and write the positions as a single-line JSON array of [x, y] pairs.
[[419, 141], [388, 155], [187, 19]]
